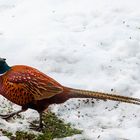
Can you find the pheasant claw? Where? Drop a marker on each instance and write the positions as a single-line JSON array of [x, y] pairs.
[[8, 116]]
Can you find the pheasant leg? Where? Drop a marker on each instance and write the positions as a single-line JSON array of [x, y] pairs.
[[7, 116]]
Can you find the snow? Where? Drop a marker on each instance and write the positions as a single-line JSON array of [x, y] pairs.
[[87, 44]]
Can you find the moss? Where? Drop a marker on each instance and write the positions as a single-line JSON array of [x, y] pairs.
[[53, 128], [5, 133], [56, 128], [23, 136]]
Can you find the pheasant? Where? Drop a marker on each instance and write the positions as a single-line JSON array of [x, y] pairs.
[[30, 88]]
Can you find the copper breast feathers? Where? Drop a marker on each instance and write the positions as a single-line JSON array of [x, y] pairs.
[[23, 84]]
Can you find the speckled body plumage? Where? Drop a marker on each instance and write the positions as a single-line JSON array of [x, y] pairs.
[[27, 86], [30, 88]]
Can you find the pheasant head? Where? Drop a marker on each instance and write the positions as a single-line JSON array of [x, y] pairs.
[[3, 66]]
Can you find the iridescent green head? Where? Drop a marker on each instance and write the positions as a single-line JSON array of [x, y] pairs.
[[3, 66]]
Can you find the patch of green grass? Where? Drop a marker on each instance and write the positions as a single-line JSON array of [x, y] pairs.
[[56, 128], [23, 136], [5, 133], [53, 128]]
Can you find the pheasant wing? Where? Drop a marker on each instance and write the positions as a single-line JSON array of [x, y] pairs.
[[36, 83]]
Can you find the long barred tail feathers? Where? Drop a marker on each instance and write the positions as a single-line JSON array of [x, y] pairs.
[[77, 93]]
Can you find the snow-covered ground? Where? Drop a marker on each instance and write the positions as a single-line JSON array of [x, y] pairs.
[[87, 44]]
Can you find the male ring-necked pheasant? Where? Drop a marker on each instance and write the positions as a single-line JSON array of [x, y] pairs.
[[30, 88]]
